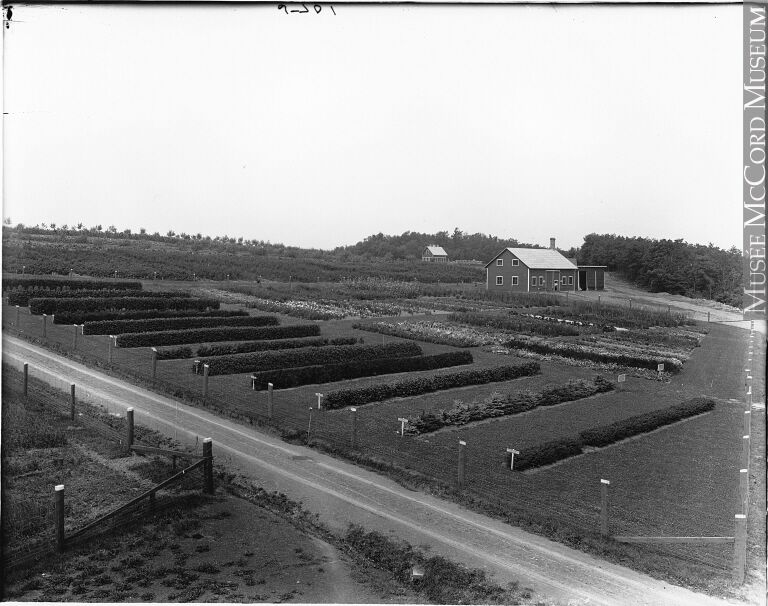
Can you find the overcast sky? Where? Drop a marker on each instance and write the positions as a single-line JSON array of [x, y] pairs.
[[318, 130]]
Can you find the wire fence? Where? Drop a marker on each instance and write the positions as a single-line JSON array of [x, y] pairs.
[[30, 524], [572, 507]]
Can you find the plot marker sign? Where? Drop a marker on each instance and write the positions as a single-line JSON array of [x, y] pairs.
[[403, 421], [512, 452], [319, 400]]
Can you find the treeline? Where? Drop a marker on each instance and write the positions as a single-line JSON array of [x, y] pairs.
[[672, 266], [180, 259], [409, 245]]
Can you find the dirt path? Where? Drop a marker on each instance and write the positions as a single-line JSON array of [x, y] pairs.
[[342, 493]]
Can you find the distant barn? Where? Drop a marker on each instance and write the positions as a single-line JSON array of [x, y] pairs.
[[540, 269], [434, 254]]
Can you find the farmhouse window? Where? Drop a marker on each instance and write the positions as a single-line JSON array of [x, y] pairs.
[[570, 280], [563, 281], [515, 262], [514, 281], [541, 280], [533, 280], [499, 280], [499, 262]]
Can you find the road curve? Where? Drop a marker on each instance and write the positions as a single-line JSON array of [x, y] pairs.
[[341, 493]]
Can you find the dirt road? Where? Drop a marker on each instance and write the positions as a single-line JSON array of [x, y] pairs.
[[342, 493]]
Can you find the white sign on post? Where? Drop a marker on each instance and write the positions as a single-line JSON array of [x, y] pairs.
[[403, 421], [512, 452], [622, 378], [660, 368], [319, 401]]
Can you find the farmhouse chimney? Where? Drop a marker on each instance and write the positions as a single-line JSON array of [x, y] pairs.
[[552, 243]]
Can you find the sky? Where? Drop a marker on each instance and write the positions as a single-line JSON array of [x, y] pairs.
[[317, 130]]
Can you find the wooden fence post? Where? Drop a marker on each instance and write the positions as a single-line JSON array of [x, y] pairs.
[[208, 467], [598, 298], [510, 459], [708, 316], [17, 316], [154, 363], [270, 400], [745, 452], [206, 370], [59, 513], [630, 303], [109, 348], [747, 421], [354, 427], [462, 464], [740, 549], [129, 429], [45, 323], [744, 489], [604, 507], [26, 379], [74, 337], [72, 401]]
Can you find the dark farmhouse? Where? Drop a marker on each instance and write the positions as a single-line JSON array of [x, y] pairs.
[[539, 269]]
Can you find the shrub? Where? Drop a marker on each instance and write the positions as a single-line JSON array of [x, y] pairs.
[[557, 450], [306, 356], [117, 327], [618, 315], [608, 434], [22, 297], [329, 373], [70, 283], [580, 352], [210, 335], [420, 385], [547, 453], [515, 323], [52, 305], [141, 314], [498, 405], [234, 348], [174, 353]]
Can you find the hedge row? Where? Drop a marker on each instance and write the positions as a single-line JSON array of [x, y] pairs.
[[174, 353], [210, 335], [498, 405], [52, 305], [22, 297], [119, 327], [247, 346], [578, 352], [329, 373], [414, 387], [142, 314], [557, 450], [306, 356], [520, 323], [71, 283], [398, 331]]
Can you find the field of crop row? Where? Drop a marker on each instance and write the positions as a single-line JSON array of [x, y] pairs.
[[484, 407]]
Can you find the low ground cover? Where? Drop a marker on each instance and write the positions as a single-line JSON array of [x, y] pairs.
[[431, 331], [616, 315], [515, 323]]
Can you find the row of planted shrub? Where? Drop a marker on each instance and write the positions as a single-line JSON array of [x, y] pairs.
[[70, 283], [515, 323], [503, 404], [52, 305], [416, 332], [140, 314], [306, 356], [414, 387], [22, 297], [211, 335], [184, 351], [293, 377], [618, 315], [563, 448], [248, 346], [118, 327], [580, 352]]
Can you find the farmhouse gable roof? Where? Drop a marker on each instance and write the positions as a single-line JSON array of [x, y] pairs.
[[437, 251], [538, 258]]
